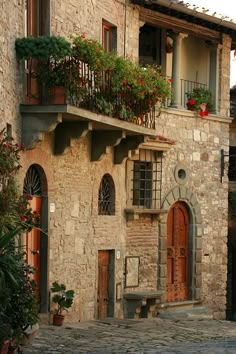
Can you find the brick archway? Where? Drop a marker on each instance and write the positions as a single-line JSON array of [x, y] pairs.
[[183, 194]]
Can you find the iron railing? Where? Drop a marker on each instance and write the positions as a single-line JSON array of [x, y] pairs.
[[92, 90], [188, 86]]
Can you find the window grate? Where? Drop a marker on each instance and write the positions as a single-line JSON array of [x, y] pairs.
[[106, 196], [32, 182], [147, 177]]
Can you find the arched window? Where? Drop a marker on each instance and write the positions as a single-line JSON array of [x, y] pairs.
[[32, 182], [106, 196]]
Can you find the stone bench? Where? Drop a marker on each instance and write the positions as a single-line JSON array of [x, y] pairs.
[[142, 304]]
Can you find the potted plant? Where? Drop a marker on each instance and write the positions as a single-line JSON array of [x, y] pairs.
[[63, 299], [199, 100], [49, 54]]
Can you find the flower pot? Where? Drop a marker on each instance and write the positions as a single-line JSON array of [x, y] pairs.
[[58, 320], [4, 347], [57, 95], [202, 106]]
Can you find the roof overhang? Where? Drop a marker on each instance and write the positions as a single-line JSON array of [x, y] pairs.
[[193, 14]]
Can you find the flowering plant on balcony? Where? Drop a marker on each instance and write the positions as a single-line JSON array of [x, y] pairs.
[[200, 100], [96, 80]]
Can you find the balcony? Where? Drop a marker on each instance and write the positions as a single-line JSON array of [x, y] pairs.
[[112, 98]]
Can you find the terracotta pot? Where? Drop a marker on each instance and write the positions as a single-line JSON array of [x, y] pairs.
[[58, 320], [4, 347], [203, 106], [57, 95]]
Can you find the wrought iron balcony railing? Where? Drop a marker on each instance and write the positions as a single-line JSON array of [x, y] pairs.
[[92, 90], [188, 86]]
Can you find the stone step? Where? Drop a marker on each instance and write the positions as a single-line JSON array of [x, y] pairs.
[[196, 313], [179, 305]]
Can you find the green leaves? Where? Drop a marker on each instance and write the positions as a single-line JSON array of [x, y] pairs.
[[63, 299], [42, 48]]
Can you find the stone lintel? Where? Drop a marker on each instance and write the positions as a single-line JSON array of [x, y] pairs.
[[101, 139], [66, 131], [130, 143]]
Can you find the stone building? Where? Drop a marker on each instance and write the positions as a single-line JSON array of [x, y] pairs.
[[163, 240]]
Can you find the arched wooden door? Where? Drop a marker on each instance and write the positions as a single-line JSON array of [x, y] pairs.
[[177, 253], [32, 187]]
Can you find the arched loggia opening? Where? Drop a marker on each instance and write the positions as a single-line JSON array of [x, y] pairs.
[[36, 241]]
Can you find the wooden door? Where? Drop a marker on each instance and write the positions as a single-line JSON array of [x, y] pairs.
[[103, 284], [32, 245], [177, 253]]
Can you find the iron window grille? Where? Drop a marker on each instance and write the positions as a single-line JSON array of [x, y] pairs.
[[106, 196], [32, 182], [147, 178]]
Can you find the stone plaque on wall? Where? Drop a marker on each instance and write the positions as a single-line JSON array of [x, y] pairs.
[[132, 271]]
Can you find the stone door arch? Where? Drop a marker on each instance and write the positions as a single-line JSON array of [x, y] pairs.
[[186, 197]]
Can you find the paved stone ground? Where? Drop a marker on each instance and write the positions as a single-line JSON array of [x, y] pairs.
[[145, 336]]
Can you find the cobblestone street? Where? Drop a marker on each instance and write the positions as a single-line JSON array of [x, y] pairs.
[[137, 336]]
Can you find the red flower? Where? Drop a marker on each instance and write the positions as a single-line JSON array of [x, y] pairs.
[[202, 113], [191, 101], [28, 196], [83, 36], [170, 80], [98, 63], [206, 112]]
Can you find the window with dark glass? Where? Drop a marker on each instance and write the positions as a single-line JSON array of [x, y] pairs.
[[232, 163], [109, 37], [106, 196], [150, 41], [146, 180]]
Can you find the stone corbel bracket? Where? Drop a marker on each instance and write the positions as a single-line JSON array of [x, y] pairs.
[[101, 140], [35, 124], [130, 143], [66, 131]]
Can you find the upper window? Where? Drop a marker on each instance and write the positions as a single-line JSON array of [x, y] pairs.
[[109, 37], [150, 45], [106, 196], [144, 179]]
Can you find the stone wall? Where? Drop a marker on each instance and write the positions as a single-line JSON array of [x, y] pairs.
[[76, 231], [197, 148]]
